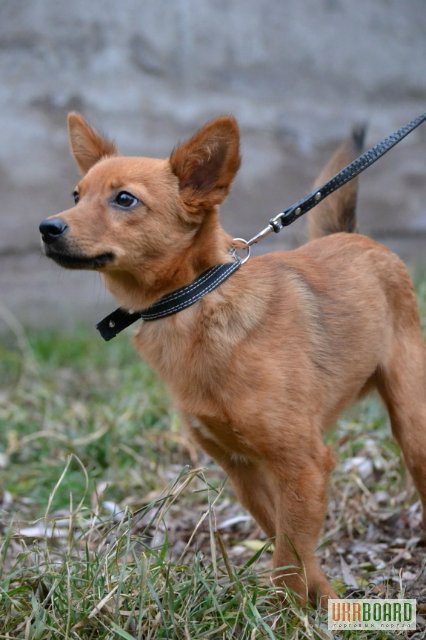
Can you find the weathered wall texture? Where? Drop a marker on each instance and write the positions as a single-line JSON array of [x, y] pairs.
[[296, 74]]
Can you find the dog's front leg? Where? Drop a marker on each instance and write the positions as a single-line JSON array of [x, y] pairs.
[[254, 489], [301, 482], [251, 480]]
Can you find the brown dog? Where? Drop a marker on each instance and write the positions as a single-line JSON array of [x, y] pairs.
[[264, 364]]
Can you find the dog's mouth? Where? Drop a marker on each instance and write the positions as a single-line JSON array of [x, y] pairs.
[[78, 261]]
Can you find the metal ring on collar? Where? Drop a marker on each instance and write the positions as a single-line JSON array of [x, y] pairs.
[[246, 248]]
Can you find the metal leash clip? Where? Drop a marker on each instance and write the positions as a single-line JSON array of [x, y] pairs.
[[249, 243]]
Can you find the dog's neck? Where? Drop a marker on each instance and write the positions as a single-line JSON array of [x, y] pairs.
[[209, 246]]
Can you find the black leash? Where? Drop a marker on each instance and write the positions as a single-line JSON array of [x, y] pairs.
[[213, 277], [349, 172]]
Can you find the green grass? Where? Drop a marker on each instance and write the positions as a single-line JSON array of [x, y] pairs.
[[111, 519]]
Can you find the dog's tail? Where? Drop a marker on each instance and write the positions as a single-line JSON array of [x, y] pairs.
[[338, 211]]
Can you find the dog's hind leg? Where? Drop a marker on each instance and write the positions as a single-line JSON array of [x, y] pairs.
[[402, 385]]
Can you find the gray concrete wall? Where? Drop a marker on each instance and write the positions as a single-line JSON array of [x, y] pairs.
[[296, 74]]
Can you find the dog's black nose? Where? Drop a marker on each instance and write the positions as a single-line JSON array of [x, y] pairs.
[[52, 228]]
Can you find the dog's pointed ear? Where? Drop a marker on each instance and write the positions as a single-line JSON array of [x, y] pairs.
[[87, 145], [206, 164]]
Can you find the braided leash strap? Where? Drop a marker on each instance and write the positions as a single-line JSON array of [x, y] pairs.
[[345, 175]]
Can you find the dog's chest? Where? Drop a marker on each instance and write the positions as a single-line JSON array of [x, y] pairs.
[[192, 365]]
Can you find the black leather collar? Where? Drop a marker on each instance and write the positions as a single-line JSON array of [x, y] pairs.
[[171, 303]]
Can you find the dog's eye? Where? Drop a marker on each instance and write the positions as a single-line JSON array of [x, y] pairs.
[[76, 196], [125, 200]]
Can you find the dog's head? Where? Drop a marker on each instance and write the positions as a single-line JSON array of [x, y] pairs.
[[136, 219]]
